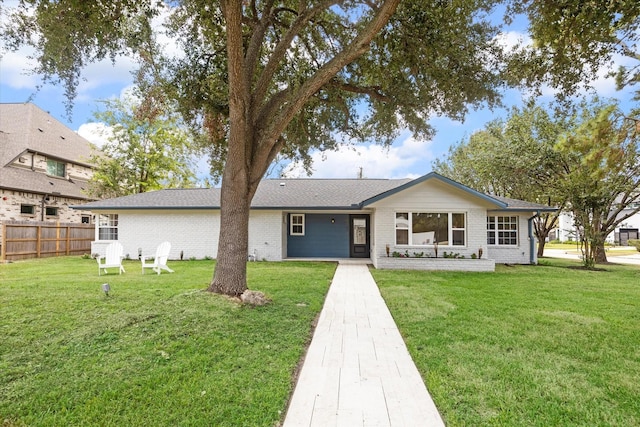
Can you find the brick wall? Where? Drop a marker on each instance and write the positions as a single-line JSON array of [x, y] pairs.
[[10, 202], [435, 264], [518, 254], [195, 233], [266, 234]]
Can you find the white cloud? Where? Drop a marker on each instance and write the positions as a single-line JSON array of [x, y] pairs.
[[97, 133], [13, 66], [514, 39], [406, 158]]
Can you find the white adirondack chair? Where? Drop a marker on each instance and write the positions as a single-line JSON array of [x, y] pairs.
[[112, 259], [160, 260]]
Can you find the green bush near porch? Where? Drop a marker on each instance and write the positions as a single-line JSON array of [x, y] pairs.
[[547, 345]]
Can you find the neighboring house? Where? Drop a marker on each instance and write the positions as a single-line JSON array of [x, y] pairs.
[[627, 230], [44, 167], [331, 218]]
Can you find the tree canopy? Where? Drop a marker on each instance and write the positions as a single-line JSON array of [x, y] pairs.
[[601, 174], [515, 157], [585, 160], [142, 153]]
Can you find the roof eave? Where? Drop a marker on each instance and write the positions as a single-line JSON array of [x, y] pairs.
[[524, 209]]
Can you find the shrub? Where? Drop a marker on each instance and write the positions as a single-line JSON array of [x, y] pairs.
[[635, 243]]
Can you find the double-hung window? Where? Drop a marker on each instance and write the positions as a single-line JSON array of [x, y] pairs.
[[502, 230], [108, 227], [430, 228], [297, 225]]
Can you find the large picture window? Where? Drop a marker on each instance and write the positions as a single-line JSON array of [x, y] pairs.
[[108, 227], [56, 168], [502, 230], [297, 225], [429, 228]]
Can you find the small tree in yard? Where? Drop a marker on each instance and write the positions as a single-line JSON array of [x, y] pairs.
[[261, 77], [601, 175]]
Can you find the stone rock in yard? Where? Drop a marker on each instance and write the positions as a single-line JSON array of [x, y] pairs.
[[254, 298]]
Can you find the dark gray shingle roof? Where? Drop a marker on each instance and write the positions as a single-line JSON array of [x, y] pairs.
[[271, 194], [289, 194]]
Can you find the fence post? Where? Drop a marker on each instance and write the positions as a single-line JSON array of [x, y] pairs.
[[38, 235], [3, 243], [68, 252]]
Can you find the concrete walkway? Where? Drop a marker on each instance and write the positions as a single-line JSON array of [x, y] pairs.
[[357, 371]]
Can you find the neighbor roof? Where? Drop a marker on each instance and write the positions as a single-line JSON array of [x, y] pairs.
[[294, 194], [25, 128]]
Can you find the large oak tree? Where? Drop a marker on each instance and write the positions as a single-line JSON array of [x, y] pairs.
[[258, 78]]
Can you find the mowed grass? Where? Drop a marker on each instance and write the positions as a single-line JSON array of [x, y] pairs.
[[158, 351], [547, 345]]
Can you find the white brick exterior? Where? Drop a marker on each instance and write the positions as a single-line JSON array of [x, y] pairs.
[[514, 254], [267, 235], [436, 196], [440, 264], [193, 233], [432, 196]]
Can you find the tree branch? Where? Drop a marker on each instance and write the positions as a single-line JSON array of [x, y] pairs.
[[304, 17]]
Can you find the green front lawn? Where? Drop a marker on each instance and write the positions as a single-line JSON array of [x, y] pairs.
[[158, 351], [547, 345]]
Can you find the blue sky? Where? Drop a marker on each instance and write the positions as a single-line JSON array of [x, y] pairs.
[[406, 157]]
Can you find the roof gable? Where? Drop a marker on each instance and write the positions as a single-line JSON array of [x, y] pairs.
[[26, 127], [433, 175]]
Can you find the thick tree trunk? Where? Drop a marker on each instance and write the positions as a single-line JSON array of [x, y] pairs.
[[230, 275]]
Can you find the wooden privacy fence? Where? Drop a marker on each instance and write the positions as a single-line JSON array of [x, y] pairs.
[[30, 239]]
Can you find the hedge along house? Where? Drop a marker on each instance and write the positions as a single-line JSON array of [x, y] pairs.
[[333, 219]]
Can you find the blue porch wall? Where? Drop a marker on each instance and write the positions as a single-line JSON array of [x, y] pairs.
[[322, 239]]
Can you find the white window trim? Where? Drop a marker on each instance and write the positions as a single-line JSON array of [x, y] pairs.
[[301, 224], [449, 228], [495, 232], [108, 225]]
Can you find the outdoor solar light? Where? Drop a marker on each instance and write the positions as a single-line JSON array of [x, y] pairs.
[[106, 288]]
